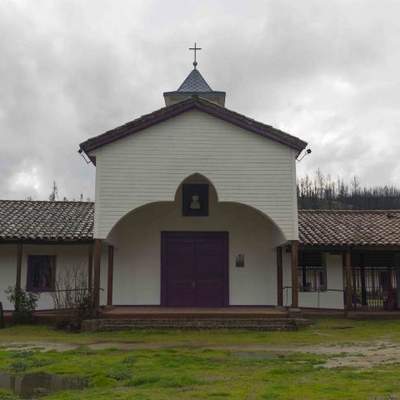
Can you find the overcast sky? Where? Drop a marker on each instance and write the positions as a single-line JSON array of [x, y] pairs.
[[326, 71]]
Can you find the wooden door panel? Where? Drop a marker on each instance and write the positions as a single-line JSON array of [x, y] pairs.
[[180, 255], [194, 269], [210, 272]]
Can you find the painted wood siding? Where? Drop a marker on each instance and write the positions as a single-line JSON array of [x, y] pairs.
[[149, 166]]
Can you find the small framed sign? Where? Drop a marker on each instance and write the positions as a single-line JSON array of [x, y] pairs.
[[239, 261], [195, 200]]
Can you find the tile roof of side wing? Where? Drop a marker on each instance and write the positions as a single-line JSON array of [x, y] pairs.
[[46, 221], [349, 227], [197, 103], [72, 221]]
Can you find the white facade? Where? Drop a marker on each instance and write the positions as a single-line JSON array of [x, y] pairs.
[[137, 261], [244, 167], [137, 251]]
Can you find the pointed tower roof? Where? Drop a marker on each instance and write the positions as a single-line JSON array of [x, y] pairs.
[[194, 82], [194, 86]]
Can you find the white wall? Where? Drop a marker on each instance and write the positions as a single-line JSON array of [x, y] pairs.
[[8, 269], [68, 257], [329, 299], [149, 166], [137, 252], [137, 259]]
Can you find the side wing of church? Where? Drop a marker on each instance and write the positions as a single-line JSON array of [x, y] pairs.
[[196, 206]]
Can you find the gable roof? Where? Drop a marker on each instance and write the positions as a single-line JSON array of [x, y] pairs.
[[349, 227], [72, 221], [192, 103], [46, 221], [194, 82]]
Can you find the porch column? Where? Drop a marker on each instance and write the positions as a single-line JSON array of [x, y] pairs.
[[110, 275], [347, 276], [19, 269], [363, 282], [397, 277], [279, 275], [90, 267], [19, 266], [96, 277], [295, 280]]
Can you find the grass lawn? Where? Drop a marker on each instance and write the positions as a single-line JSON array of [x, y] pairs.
[[214, 364]]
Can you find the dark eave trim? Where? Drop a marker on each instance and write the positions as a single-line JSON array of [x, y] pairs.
[[47, 241], [352, 247], [195, 93], [168, 112]]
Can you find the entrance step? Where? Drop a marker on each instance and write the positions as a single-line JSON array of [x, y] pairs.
[[262, 324], [157, 312]]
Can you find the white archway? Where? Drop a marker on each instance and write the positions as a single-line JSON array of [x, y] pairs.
[[136, 240], [200, 178]]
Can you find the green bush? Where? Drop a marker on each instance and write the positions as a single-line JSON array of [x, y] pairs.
[[24, 304], [7, 395]]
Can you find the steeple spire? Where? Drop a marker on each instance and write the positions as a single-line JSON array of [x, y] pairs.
[[194, 85], [195, 48], [194, 82]]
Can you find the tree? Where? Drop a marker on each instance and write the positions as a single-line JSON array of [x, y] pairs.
[[54, 192], [321, 192]]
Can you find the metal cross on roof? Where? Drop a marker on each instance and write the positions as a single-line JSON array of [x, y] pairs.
[[195, 48]]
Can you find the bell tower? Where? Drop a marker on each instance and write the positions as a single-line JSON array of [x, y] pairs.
[[194, 85]]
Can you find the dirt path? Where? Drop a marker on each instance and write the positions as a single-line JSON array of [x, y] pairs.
[[357, 355]]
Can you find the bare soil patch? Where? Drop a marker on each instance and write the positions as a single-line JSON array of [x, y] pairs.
[[356, 355]]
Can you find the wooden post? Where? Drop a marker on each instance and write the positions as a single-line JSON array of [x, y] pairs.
[[295, 274], [2, 323], [90, 267], [96, 277], [390, 283], [19, 273], [363, 282], [110, 275], [19, 266], [396, 275], [279, 275], [347, 275]]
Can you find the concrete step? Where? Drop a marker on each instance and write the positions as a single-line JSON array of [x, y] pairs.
[[268, 324]]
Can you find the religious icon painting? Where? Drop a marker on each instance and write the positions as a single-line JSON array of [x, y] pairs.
[[195, 200]]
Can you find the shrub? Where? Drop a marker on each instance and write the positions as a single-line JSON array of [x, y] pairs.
[[72, 296], [24, 304], [6, 395]]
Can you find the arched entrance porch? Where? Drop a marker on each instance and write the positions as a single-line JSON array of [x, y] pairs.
[[157, 250]]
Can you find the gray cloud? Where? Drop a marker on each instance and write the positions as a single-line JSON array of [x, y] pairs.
[[324, 71]]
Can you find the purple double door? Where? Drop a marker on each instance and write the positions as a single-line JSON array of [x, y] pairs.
[[194, 269]]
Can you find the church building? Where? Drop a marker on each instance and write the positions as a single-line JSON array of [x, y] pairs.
[[196, 206]]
